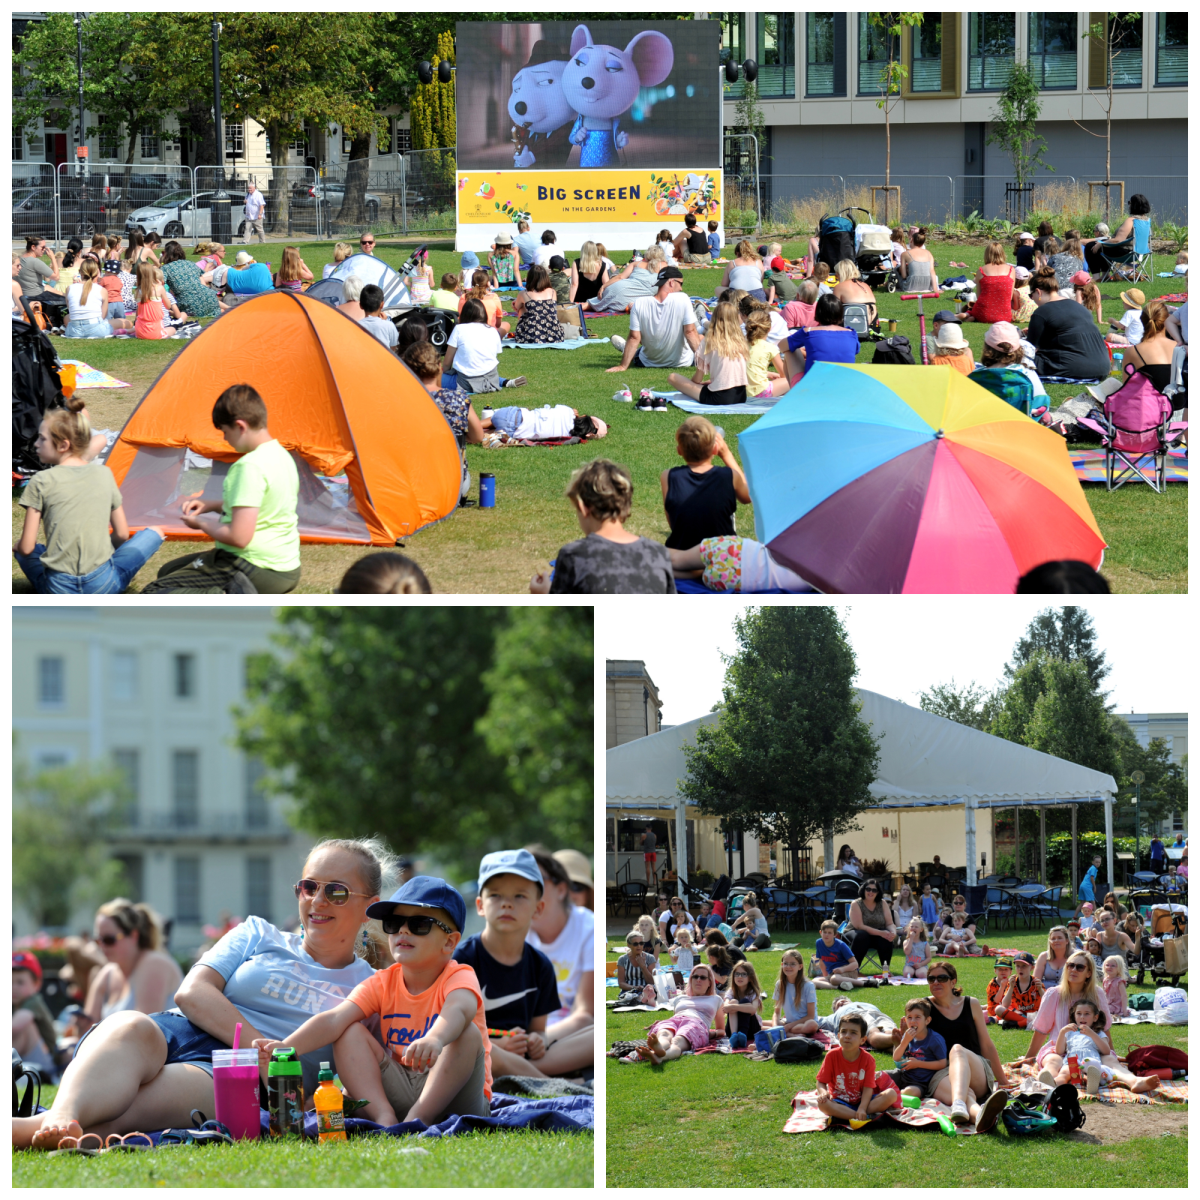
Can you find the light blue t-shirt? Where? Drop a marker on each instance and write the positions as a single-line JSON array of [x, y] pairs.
[[527, 243], [272, 980], [791, 1010]]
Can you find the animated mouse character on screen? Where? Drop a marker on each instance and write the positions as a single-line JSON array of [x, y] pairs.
[[539, 111], [601, 83]]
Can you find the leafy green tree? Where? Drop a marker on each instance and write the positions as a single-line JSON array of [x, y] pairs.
[[539, 721], [1066, 633], [45, 79], [891, 80], [791, 759], [968, 705], [1014, 123], [60, 819], [1164, 789]]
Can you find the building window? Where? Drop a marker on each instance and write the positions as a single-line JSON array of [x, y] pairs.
[[257, 814], [18, 150], [235, 139], [128, 764], [258, 888], [51, 760], [185, 676], [52, 687], [110, 142], [991, 46], [1171, 50], [403, 140], [777, 54], [187, 891], [825, 54], [150, 143], [1127, 51], [925, 75], [875, 48], [123, 682], [733, 49], [1054, 49], [185, 788]]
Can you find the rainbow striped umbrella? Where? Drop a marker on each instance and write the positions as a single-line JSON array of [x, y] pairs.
[[911, 479]]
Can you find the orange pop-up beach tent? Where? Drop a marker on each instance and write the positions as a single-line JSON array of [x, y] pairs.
[[377, 459]]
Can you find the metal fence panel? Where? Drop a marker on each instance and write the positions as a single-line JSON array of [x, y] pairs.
[[128, 196], [33, 207], [292, 208], [430, 191], [793, 200], [401, 194], [984, 194], [924, 199]]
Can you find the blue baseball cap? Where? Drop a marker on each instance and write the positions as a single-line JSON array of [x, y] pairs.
[[423, 891], [509, 862], [470, 260]]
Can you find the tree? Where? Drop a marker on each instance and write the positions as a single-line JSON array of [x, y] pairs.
[[539, 720], [1014, 123], [1164, 789], [60, 819], [968, 705], [791, 760], [370, 719], [1108, 36], [115, 92], [1066, 633], [891, 80]]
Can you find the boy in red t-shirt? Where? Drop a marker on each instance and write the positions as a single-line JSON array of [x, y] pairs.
[[438, 1058], [846, 1080]]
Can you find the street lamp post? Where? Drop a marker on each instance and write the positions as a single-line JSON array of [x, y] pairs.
[[220, 199], [1138, 778], [81, 140]]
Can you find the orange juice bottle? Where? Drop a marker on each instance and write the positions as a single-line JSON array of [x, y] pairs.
[[331, 1122]]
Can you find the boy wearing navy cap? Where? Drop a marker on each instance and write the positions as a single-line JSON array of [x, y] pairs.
[[437, 1061], [517, 981]]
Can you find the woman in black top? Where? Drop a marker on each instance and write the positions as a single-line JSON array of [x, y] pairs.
[[700, 499], [692, 245], [1067, 341], [969, 1083], [1152, 355]]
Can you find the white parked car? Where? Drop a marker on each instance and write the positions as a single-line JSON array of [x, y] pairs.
[[173, 216]]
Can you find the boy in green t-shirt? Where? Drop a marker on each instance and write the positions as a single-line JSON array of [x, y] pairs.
[[257, 534], [448, 295]]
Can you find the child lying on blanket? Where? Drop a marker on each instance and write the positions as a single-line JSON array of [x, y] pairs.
[[542, 424], [688, 1029], [735, 564]]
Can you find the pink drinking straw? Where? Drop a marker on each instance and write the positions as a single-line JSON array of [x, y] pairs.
[[237, 1034]]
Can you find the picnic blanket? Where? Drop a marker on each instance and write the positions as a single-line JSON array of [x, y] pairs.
[[752, 408], [1089, 465], [1070, 379], [90, 377], [571, 344], [538, 1088], [1174, 1091], [806, 1117]]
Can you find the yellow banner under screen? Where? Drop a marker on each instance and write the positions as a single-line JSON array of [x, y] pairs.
[[561, 197]]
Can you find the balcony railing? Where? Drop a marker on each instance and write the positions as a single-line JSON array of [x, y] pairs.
[[204, 826]]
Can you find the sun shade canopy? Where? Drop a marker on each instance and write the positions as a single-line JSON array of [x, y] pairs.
[[374, 270]]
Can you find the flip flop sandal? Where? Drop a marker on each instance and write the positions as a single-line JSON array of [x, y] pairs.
[[211, 1132], [76, 1147], [127, 1142], [171, 1138]]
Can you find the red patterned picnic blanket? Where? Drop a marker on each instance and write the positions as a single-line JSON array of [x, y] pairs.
[[1174, 1091], [806, 1117]]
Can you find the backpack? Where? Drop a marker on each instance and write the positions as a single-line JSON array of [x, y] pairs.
[[797, 1050], [894, 351], [1147, 1060], [29, 1103], [1013, 387], [1025, 1115], [1142, 1002]]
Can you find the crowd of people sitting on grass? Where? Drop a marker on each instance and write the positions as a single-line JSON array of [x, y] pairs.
[[136, 1064], [1067, 997]]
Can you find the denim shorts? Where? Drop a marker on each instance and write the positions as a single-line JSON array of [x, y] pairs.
[[185, 1043]]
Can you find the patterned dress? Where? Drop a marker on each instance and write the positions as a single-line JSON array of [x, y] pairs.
[[454, 405], [539, 322], [183, 278]]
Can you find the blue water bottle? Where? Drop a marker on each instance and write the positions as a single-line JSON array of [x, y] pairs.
[[487, 490]]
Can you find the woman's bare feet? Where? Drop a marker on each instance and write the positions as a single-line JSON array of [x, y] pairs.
[[40, 1133], [1147, 1084]]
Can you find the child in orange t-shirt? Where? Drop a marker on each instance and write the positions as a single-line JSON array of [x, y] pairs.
[[437, 1062]]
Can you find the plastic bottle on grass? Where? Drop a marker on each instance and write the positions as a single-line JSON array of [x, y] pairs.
[[285, 1094], [327, 1099]]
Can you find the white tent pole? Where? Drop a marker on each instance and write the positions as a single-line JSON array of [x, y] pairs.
[[969, 820], [1042, 874], [680, 845], [829, 860], [1108, 835], [1075, 853]]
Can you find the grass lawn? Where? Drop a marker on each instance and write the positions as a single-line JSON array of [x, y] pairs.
[[736, 1109], [509, 1159], [497, 550]]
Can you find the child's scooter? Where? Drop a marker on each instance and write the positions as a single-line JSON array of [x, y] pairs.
[[920, 297]]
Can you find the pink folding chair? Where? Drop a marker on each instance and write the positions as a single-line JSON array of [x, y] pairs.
[[1136, 431]]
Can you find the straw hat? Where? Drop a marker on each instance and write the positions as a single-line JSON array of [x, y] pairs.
[[577, 867], [244, 259], [1134, 298], [950, 337], [502, 239]]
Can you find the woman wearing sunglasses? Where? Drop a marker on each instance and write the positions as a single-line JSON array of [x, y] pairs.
[[134, 1071], [695, 1011], [871, 920], [1078, 983], [138, 975], [973, 1082]]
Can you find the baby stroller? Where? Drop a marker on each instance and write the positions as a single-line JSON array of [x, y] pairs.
[[439, 321], [874, 253], [835, 239]]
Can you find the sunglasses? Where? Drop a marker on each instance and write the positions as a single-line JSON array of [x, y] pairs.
[[637, 943], [417, 926], [111, 939], [1074, 966], [335, 893], [938, 978], [366, 243]]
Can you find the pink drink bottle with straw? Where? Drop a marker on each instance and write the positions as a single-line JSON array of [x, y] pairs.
[[235, 1085]]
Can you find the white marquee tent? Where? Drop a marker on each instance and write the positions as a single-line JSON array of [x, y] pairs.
[[925, 761]]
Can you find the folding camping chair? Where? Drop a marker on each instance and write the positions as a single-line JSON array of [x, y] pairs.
[[1136, 431], [1131, 261]]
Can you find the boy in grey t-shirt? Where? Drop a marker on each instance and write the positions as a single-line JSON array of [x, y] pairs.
[[373, 322]]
